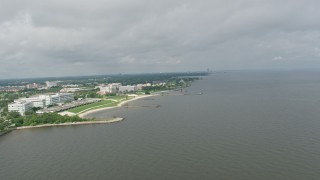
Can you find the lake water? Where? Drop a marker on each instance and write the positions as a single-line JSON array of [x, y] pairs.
[[244, 125]]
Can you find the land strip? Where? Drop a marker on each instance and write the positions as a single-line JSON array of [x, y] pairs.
[[117, 119], [118, 104]]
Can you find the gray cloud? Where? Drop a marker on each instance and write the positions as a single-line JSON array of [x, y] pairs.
[[78, 37]]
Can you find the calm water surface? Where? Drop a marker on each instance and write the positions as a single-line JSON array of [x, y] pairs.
[[257, 125]]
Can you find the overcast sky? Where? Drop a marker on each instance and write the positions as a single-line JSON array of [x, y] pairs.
[[85, 37]]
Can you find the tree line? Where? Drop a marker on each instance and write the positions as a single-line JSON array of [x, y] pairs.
[[14, 119]]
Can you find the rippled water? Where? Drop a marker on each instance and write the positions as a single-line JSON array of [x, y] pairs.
[[257, 125]]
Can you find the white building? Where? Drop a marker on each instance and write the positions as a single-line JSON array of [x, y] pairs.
[[20, 106], [159, 83], [110, 88], [104, 89], [141, 86], [127, 88], [114, 87], [66, 90], [26, 104], [32, 86], [36, 101], [70, 86], [50, 84], [58, 98], [65, 97]]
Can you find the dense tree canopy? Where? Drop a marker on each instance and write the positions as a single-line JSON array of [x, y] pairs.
[[16, 120]]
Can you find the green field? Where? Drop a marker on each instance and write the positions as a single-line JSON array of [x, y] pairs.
[[109, 102], [116, 98], [97, 105]]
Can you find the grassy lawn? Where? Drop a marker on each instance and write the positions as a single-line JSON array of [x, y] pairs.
[[109, 102], [116, 98], [87, 107]]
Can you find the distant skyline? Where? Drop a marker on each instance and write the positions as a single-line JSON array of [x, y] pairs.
[[80, 37]]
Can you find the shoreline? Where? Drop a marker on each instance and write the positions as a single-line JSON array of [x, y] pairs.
[[2, 133], [82, 115], [118, 119]]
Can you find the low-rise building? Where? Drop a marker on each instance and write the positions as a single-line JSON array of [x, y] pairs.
[[110, 88], [159, 83], [50, 84], [70, 85], [58, 98], [114, 87], [141, 86], [32, 86], [104, 89], [23, 105], [36, 101], [127, 88], [66, 97], [67, 90], [11, 88], [20, 106]]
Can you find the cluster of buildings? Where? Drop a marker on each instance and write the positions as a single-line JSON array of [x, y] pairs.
[[23, 105], [49, 84], [118, 88], [11, 88]]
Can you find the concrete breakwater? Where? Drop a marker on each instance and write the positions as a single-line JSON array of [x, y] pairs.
[[117, 119], [4, 132]]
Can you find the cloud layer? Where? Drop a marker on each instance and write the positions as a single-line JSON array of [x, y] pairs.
[[82, 37]]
